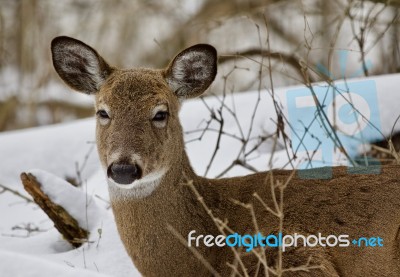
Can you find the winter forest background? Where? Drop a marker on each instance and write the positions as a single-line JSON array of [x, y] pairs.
[[302, 35]]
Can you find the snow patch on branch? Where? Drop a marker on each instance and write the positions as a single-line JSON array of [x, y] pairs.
[[76, 202]]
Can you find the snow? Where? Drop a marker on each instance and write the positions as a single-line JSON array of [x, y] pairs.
[[60, 151], [103, 253], [64, 145], [79, 205], [36, 266]]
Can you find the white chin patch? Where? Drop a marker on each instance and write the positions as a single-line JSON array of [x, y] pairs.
[[139, 188]]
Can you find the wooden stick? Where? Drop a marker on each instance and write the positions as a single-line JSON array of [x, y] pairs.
[[63, 221]]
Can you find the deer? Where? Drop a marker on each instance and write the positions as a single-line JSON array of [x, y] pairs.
[[158, 200]]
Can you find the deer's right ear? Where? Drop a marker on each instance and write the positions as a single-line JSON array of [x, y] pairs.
[[79, 65]]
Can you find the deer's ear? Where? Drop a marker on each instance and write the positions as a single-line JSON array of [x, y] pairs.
[[192, 71], [79, 65]]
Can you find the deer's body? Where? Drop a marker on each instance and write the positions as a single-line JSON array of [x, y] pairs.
[[154, 191], [365, 207]]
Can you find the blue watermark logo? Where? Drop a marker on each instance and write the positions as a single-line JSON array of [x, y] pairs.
[[329, 122]]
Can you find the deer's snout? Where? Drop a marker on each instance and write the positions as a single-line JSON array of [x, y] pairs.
[[124, 173]]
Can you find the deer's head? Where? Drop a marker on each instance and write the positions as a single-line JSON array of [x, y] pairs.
[[138, 133]]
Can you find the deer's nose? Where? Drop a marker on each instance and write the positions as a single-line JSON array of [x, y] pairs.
[[124, 173]]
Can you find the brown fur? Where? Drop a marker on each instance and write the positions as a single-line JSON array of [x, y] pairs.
[[356, 204]]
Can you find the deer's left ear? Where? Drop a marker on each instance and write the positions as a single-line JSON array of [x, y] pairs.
[[192, 71]]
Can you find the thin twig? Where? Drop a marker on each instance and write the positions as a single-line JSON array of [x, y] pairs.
[[5, 188]]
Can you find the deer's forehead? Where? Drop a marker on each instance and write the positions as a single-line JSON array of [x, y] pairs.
[[141, 87]]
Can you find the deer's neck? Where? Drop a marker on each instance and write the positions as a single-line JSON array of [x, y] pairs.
[[148, 227]]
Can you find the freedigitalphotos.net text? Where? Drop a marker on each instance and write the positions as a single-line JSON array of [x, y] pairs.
[[280, 240]]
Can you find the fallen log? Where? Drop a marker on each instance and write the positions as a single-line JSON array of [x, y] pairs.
[[66, 224]]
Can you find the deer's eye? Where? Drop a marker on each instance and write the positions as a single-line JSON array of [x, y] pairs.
[[103, 117], [160, 116], [102, 114]]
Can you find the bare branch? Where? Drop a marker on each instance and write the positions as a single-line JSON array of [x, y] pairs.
[[291, 60], [5, 188]]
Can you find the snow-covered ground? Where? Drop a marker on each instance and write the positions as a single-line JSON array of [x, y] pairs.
[[54, 153]]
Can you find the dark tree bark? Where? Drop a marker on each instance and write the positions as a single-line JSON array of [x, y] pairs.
[[63, 221]]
